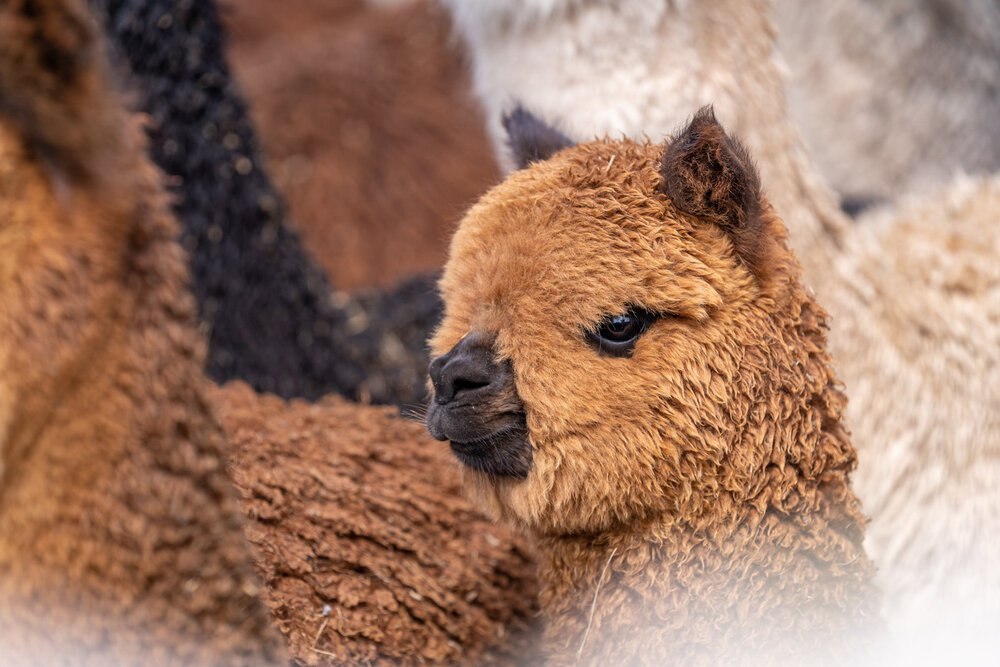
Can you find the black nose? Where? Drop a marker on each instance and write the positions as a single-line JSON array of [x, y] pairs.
[[463, 369]]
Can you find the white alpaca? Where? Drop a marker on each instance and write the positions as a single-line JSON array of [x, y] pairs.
[[914, 292]]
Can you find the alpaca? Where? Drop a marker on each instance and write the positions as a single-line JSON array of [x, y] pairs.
[[914, 340], [893, 95], [120, 535], [631, 372], [121, 539], [344, 94], [379, 536], [271, 316]]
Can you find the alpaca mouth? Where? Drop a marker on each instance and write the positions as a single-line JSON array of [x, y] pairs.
[[475, 405], [502, 453]]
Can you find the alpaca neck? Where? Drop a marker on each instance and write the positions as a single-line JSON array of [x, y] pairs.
[[120, 537], [728, 591]]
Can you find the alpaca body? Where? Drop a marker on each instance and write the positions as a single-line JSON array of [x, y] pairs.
[[689, 496], [913, 291], [893, 96], [121, 537]]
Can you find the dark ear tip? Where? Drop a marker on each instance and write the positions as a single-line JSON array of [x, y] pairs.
[[710, 175], [530, 139], [706, 114], [517, 116]]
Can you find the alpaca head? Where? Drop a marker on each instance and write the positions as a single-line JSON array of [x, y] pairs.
[[65, 205], [624, 333]]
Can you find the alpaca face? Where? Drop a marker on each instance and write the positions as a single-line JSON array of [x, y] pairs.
[[625, 322]]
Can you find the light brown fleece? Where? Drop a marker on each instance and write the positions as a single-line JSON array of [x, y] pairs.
[[691, 503]]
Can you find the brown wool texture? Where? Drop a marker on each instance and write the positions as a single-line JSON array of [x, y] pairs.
[[690, 503], [344, 93], [121, 536], [354, 509]]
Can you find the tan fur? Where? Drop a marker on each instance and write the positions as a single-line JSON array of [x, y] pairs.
[[708, 473], [121, 539]]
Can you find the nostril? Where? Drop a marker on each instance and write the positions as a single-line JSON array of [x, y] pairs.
[[466, 368], [465, 384]]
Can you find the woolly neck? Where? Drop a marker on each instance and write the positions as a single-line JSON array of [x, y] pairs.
[[763, 586]]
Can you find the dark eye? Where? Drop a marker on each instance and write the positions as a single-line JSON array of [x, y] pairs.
[[617, 334]]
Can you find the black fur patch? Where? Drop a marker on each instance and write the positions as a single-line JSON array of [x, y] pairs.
[[530, 139]]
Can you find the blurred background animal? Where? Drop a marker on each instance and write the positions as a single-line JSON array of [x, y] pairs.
[[121, 540]]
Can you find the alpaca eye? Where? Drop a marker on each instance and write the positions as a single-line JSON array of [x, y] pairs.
[[619, 328], [617, 334]]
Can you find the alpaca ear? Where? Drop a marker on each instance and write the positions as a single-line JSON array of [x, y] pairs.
[[530, 139], [709, 175]]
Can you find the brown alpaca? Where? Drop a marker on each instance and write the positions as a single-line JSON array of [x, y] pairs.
[[913, 293], [121, 540], [360, 513], [633, 374], [120, 536]]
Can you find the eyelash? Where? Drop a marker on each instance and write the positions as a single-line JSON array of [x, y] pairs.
[[610, 342]]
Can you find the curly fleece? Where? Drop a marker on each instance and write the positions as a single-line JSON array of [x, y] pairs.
[[690, 503], [120, 535]]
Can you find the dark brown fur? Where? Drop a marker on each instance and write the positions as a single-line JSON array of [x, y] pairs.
[[710, 175], [530, 139], [359, 512]]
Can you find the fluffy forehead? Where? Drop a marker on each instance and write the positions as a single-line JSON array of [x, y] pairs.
[[581, 236]]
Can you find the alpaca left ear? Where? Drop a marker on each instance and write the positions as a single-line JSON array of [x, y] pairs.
[[530, 139], [709, 175]]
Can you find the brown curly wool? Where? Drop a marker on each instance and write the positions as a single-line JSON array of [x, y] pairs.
[[357, 511], [121, 539], [690, 502], [120, 535]]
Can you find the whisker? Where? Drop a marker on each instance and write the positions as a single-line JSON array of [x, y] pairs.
[[416, 412]]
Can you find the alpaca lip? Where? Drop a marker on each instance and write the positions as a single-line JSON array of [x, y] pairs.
[[503, 453]]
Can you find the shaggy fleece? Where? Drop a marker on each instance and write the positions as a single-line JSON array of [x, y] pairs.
[[892, 96], [690, 502], [120, 535], [913, 291], [367, 550]]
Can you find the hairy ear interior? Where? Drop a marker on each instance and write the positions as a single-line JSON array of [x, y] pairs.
[[530, 139], [709, 175]]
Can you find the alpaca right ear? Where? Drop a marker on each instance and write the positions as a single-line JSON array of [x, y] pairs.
[[709, 175], [530, 139]]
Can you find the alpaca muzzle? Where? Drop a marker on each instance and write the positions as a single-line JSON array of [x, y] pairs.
[[476, 407]]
